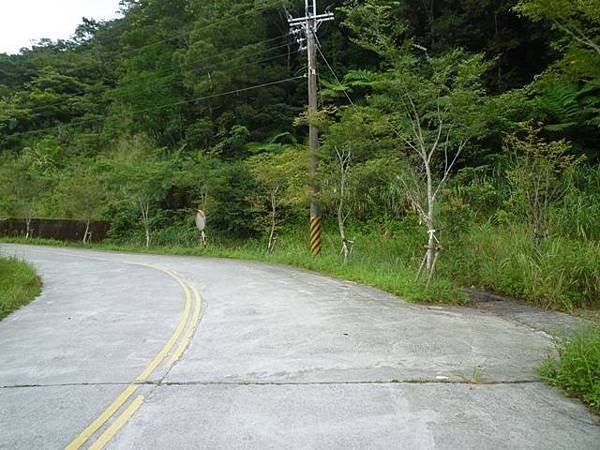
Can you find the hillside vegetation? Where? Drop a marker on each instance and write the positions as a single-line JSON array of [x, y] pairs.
[[459, 137]]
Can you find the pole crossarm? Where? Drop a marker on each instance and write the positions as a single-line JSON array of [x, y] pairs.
[[319, 18]]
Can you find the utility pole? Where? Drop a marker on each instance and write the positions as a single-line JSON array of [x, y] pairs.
[[305, 29]]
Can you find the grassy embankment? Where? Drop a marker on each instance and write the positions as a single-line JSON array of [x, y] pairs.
[[19, 284]]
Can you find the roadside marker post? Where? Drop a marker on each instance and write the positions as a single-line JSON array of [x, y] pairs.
[[201, 225]]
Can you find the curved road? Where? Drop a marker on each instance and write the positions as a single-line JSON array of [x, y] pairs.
[[159, 352]]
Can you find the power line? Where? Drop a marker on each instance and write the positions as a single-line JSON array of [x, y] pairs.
[[344, 90], [218, 64], [62, 101], [253, 63], [223, 20], [206, 97], [334, 74], [182, 102], [208, 71], [178, 35]]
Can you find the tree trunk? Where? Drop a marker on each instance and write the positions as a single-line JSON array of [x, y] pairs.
[[28, 231], [145, 208], [86, 232], [272, 238], [430, 229], [432, 248], [148, 236], [344, 161], [345, 251]]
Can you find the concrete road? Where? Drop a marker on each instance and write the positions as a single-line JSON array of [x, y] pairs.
[[157, 352]]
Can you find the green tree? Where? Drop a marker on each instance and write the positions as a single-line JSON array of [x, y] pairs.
[[433, 107], [81, 195], [540, 175], [140, 179], [22, 190], [578, 19], [280, 177]]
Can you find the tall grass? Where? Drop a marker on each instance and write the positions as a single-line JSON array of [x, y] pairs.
[[561, 274], [578, 215], [577, 372], [19, 285]]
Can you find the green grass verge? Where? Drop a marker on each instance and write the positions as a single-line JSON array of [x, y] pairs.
[[577, 370], [376, 269], [560, 274], [19, 284]]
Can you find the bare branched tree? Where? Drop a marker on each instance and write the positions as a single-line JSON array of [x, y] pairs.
[[144, 205], [280, 188], [434, 106], [425, 185], [344, 158], [273, 198]]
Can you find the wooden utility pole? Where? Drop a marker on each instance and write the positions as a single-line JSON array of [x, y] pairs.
[[313, 139], [305, 29]]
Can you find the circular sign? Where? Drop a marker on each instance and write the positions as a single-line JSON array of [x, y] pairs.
[[200, 220]]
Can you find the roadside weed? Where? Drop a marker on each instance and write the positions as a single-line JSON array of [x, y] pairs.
[[474, 377]]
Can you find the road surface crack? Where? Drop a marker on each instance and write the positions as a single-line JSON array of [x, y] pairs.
[[161, 382]]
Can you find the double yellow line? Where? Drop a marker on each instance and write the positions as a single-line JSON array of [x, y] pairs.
[[187, 324]]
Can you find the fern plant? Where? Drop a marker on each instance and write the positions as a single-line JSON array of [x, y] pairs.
[[567, 106]]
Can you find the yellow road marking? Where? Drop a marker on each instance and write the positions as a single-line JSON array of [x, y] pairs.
[[158, 359], [180, 326], [192, 328], [102, 418], [117, 424], [122, 419]]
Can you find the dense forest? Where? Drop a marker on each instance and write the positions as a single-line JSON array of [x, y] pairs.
[[458, 137]]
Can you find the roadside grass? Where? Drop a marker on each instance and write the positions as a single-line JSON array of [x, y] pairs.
[[476, 375], [376, 264], [561, 274], [577, 370], [19, 284]]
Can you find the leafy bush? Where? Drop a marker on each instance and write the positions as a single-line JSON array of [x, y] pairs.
[[577, 371], [231, 209]]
